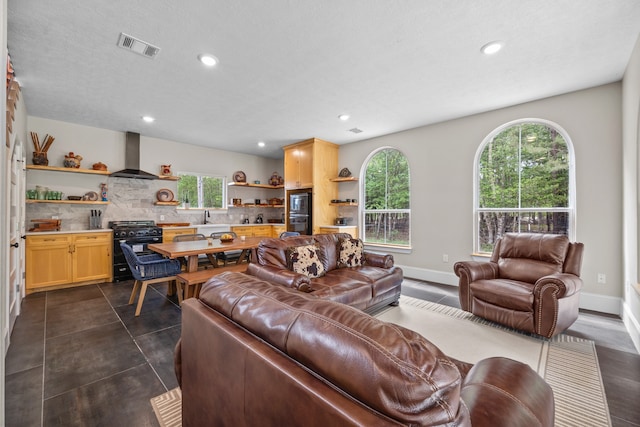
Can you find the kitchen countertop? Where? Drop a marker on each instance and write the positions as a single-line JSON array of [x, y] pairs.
[[338, 226], [254, 224], [40, 233], [220, 225]]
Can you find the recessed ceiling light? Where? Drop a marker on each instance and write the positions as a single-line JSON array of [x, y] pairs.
[[261, 144], [344, 117], [208, 60], [491, 47], [148, 119]]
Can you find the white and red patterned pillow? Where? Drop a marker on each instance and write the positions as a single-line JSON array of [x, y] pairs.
[[351, 253], [307, 260]]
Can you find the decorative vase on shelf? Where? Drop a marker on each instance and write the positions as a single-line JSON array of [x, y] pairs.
[[72, 160], [40, 158]]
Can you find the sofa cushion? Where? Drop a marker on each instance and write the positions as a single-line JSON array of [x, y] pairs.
[[309, 260], [351, 253], [504, 293], [391, 369]]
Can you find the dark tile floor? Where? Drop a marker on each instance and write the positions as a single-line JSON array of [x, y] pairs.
[[79, 357]]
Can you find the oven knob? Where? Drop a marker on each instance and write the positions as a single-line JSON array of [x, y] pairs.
[[154, 231], [132, 233]]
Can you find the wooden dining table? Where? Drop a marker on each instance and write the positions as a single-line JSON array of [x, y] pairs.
[[192, 249]]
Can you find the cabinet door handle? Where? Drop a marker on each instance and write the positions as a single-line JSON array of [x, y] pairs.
[[15, 245]]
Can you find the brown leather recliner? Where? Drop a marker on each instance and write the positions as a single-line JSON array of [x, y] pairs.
[[532, 283]]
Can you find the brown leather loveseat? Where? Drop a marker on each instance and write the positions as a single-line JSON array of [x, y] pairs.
[[532, 283], [371, 283], [255, 354]]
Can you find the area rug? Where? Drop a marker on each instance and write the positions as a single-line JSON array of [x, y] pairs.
[[568, 364]]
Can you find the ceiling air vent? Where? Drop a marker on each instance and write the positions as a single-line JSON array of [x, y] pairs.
[[355, 130], [138, 46]]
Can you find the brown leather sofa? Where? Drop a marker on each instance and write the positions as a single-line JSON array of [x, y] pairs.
[[532, 283], [369, 287], [255, 354]]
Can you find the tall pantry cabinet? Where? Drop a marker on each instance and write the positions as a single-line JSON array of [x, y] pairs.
[[311, 164]]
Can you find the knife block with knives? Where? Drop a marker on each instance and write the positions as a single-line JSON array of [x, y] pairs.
[[95, 219]]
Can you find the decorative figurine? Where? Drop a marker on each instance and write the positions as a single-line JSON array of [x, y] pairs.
[[103, 191], [165, 170]]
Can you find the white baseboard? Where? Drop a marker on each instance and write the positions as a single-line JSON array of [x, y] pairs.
[[588, 301], [430, 275], [632, 324]]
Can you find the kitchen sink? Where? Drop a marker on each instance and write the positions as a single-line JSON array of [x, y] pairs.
[[207, 229]]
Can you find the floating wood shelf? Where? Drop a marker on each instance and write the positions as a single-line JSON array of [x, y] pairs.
[[169, 178], [68, 202], [72, 170], [246, 184], [344, 204], [344, 179], [253, 205], [174, 203]]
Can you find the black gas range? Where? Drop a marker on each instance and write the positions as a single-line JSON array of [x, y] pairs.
[[137, 234]]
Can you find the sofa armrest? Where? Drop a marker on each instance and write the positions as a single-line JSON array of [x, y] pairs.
[[280, 276], [476, 270], [512, 389], [562, 284], [468, 272], [177, 361], [378, 260]]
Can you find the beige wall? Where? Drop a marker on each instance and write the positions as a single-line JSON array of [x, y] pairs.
[[631, 142], [441, 158]]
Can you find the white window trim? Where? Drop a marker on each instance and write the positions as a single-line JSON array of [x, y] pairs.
[[361, 210], [572, 179]]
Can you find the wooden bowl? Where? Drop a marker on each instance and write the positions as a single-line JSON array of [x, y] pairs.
[[226, 240]]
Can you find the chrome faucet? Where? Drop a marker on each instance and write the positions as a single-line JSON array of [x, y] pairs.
[[206, 215]]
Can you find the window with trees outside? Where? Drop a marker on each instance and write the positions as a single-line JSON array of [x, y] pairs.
[[524, 182], [387, 214], [201, 191]]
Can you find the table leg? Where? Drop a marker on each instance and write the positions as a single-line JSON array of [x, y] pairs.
[[192, 263]]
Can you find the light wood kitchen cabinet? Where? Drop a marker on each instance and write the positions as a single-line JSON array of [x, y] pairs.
[[276, 230], [168, 235], [353, 230], [60, 260], [253, 230], [298, 165], [92, 258], [312, 164]]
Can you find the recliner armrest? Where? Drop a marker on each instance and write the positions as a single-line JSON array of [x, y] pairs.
[[476, 270], [280, 276], [565, 284]]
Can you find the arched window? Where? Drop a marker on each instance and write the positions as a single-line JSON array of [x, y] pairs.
[[386, 216], [525, 179]]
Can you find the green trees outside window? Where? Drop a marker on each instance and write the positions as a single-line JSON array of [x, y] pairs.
[[201, 191], [387, 213], [523, 178]]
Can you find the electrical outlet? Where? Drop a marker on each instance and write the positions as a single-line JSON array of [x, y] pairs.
[[602, 278], [161, 217], [445, 258], [54, 217]]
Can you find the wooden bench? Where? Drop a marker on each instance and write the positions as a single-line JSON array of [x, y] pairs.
[[192, 282]]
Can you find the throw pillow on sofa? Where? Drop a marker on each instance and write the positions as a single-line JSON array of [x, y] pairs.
[[307, 260], [351, 253]]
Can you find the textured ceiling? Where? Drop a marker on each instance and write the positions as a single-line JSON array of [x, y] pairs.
[[289, 68]]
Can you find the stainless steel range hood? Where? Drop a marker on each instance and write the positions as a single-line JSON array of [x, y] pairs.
[[132, 160]]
